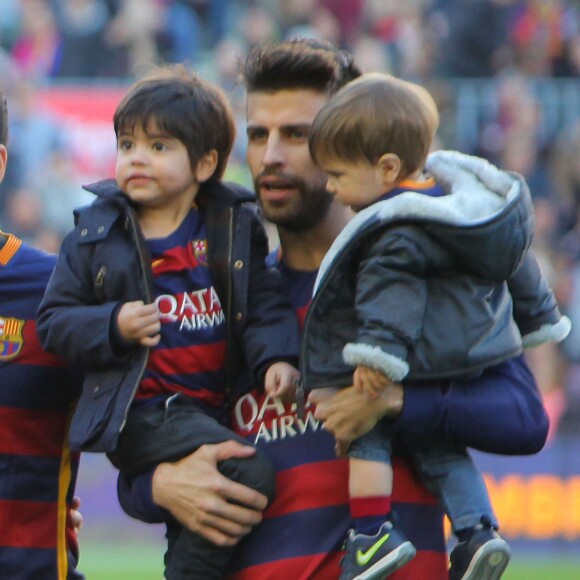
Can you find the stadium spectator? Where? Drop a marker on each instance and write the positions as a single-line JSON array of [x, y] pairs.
[[472, 37], [36, 50], [84, 52], [132, 33]]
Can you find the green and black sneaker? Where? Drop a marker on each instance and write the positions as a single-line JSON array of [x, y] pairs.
[[377, 556], [483, 556]]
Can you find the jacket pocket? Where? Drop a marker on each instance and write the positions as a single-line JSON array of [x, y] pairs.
[[94, 409]]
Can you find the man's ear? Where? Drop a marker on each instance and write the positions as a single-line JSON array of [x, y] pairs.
[[390, 165], [3, 161], [206, 166]]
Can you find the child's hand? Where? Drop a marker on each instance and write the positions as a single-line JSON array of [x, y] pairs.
[[139, 322], [369, 381], [280, 380]]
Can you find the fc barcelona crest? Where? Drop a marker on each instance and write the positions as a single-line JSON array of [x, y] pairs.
[[11, 339], [200, 250]]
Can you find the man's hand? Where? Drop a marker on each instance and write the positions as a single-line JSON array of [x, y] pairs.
[[139, 322], [204, 500], [348, 415]]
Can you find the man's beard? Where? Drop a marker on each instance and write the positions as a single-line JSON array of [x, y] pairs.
[[307, 211]]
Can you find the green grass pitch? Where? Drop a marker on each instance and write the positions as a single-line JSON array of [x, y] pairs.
[[100, 561]]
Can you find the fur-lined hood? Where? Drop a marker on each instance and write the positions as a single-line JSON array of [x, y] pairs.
[[480, 199]]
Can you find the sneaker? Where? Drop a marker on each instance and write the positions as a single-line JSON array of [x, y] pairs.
[[369, 557], [484, 556]]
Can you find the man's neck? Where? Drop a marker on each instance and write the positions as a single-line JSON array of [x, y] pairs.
[[305, 250]]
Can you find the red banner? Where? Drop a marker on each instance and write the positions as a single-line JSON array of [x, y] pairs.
[[85, 115]]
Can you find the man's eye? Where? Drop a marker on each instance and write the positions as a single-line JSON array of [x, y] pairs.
[[298, 133], [257, 135]]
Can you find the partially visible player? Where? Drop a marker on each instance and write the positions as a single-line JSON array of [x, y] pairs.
[[37, 391]]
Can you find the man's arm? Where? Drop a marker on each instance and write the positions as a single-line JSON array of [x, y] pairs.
[[198, 495], [501, 411]]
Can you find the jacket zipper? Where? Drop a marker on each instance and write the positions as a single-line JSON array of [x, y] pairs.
[[302, 386], [135, 234], [303, 389], [100, 283], [230, 307]]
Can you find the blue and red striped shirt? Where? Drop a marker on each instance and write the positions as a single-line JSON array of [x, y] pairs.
[[303, 531], [190, 357], [37, 470]]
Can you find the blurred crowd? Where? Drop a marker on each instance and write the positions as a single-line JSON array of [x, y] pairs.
[[505, 73]]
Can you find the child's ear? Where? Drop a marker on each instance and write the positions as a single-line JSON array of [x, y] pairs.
[[3, 159], [390, 165], [206, 166]]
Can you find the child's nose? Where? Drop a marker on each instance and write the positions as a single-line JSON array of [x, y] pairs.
[[139, 155]]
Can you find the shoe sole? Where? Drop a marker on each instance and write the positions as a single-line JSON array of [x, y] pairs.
[[387, 565], [489, 562]]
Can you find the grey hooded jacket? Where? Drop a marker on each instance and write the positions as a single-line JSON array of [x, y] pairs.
[[415, 286]]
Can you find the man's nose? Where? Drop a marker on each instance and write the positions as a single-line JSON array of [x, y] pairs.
[[274, 153]]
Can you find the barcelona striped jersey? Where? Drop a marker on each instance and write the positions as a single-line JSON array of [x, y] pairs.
[[303, 530], [37, 470], [190, 357]]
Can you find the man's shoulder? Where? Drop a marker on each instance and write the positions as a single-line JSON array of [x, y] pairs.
[[36, 260]]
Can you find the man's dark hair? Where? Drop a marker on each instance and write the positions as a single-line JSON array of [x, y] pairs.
[[3, 119], [302, 63], [186, 107]]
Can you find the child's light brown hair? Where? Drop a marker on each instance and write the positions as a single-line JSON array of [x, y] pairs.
[[373, 115], [184, 106]]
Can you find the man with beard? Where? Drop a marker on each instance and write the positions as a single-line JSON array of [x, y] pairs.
[[305, 527], [302, 532]]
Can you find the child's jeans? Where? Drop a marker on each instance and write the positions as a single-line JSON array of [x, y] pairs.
[[449, 472], [446, 469]]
